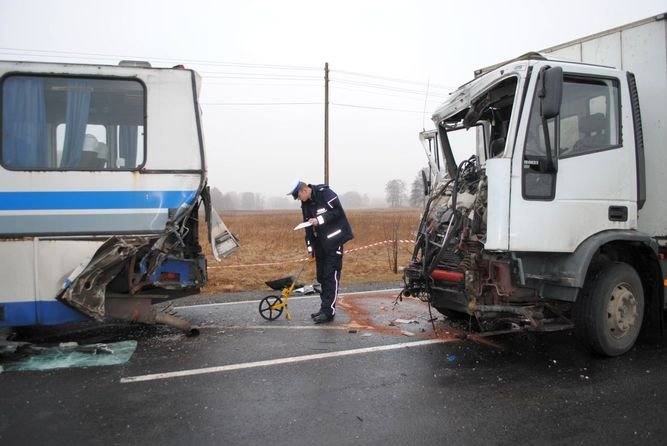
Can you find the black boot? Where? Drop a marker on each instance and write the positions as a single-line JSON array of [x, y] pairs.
[[322, 318]]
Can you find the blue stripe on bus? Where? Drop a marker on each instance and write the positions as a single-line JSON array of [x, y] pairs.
[[16, 314], [100, 222], [160, 199]]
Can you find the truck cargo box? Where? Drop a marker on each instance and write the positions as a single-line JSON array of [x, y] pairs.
[[641, 48]]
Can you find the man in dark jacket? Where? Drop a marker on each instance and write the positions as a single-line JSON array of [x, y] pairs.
[[325, 237]]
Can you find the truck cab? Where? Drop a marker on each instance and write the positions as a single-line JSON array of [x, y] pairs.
[[557, 219]]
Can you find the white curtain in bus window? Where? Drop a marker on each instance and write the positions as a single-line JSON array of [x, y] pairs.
[[70, 123], [24, 131], [76, 119]]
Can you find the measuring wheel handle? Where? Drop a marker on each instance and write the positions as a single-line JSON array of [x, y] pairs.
[[271, 307]]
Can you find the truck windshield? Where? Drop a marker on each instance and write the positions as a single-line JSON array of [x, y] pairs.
[[464, 142], [482, 127]]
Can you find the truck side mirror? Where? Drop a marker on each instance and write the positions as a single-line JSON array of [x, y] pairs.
[[550, 91]]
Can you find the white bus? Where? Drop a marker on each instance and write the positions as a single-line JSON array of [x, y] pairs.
[[102, 179]]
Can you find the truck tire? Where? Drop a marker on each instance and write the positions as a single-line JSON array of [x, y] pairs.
[[609, 312]]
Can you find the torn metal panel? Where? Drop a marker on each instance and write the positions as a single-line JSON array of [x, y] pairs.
[[223, 242], [128, 274], [86, 286]]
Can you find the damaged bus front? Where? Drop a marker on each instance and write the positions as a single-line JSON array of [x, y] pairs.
[[103, 179]]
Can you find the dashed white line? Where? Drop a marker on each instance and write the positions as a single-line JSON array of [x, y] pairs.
[[279, 361]]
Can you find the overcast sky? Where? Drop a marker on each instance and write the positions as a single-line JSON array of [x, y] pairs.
[[262, 64]]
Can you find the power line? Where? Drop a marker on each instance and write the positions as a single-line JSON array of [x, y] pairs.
[[208, 62], [267, 77], [85, 55], [245, 76], [379, 86], [375, 108], [285, 83], [261, 103], [222, 76], [236, 75], [252, 75], [306, 103], [399, 95], [394, 79]]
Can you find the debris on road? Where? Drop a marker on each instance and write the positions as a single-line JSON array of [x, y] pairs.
[[406, 321], [69, 354]]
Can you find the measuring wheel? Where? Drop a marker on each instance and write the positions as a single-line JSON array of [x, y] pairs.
[[271, 307]]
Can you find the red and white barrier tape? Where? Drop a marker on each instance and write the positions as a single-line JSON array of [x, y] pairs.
[[384, 242], [372, 245]]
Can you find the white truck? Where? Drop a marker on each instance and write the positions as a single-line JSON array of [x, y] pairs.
[[559, 218]]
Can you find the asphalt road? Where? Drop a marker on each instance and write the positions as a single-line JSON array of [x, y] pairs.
[[377, 375]]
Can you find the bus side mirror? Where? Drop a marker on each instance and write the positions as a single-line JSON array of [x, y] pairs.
[[550, 92]]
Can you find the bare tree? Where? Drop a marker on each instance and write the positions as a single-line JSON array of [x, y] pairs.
[[395, 190], [365, 200], [280, 202], [417, 190], [217, 199], [230, 200], [352, 199], [252, 201]]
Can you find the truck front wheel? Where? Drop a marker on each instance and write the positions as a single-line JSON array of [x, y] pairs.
[[609, 312]]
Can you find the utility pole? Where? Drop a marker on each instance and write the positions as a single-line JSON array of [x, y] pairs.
[[326, 123]]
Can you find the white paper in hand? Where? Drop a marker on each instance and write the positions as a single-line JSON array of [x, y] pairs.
[[305, 224]]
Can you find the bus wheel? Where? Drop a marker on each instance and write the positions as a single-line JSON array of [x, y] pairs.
[[610, 310]]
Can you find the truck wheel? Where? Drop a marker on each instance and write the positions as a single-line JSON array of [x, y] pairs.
[[609, 312]]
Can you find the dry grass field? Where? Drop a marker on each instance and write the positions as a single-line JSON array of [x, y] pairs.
[[270, 248]]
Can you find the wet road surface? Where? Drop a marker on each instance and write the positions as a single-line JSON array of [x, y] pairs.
[[377, 375]]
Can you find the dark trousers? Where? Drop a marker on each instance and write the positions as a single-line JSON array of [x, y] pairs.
[[329, 265]]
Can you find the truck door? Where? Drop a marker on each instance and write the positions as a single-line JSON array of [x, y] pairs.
[[588, 185]]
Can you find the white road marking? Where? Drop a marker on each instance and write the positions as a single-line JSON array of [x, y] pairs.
[[272, 362], [184, 307]]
